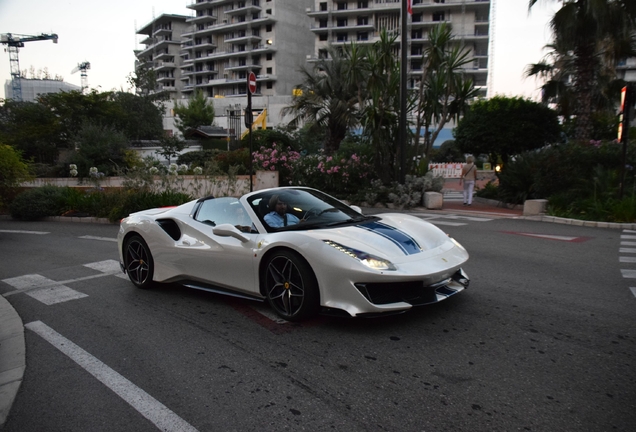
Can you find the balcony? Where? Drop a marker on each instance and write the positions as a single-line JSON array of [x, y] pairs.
[[201, 19], [206, 4], [250, 66]]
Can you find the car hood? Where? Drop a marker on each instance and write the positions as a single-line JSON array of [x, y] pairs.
[[396, 237]]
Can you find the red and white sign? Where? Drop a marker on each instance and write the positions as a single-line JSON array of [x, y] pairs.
[[251, 82]]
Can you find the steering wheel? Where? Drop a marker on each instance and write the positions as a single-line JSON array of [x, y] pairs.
[[316, 212], [311, 213]]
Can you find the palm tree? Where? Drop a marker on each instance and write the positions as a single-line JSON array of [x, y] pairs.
[[328, 100], [444, 90], [597, 33]]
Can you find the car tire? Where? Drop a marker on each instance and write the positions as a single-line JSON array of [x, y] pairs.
[[138, 261], [290, 286]]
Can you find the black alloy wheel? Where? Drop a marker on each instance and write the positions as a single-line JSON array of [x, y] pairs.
[[290, 286], [138, 262]]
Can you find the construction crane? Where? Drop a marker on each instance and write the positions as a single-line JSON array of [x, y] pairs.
[[15, 41], [84, 66]]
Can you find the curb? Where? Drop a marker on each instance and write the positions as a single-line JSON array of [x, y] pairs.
[[12, 356]]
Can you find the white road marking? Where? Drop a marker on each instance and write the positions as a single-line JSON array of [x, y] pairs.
[[628, 237], [628, 243], [633, 290], [629, 231], [87, 237], [627, 259], [146, 405], [439, 222], [266, 311], [628, 274], [548, 236], [23, 232], [43, 289], [627, 250], [108, 266]]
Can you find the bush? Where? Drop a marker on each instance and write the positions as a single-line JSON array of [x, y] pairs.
[[38, 203]]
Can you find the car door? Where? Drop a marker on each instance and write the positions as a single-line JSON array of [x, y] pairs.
[[221, 260]]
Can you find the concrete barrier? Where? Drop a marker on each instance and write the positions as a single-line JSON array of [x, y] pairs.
[[433, 200], [534, 207]]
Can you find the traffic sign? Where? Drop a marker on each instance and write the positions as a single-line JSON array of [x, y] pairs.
[[251, 82]]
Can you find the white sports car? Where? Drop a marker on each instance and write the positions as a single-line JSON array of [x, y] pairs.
[[301, 250]]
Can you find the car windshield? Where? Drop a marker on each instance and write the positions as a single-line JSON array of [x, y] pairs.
[[297, 209]]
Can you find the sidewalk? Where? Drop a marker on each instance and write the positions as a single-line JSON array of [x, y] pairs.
[[12, 356]]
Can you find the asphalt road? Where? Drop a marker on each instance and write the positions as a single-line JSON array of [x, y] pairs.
[[544, 339]]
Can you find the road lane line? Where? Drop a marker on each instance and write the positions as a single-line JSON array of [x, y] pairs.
[[627, 259], [146, 405], [624, 243], [87, 237], [628, 237], [23, 232], [633, 291], [627, 250]]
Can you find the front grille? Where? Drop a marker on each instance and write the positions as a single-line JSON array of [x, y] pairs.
[[413, 293]]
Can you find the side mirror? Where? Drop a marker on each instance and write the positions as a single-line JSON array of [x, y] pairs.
[[228, 230], [356, 208]]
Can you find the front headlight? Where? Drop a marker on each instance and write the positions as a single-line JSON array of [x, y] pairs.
[[368, 260]]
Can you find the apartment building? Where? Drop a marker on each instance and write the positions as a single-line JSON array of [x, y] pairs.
[[338, 22], [163, 36], [230, 38]]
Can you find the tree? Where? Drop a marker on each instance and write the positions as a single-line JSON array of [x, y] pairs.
[[381, 107], [502, 126], [197, 113], [597, 33], [444, 90], [326, 100], [32, 129], [171, 146], [13, 171], [98, 146]]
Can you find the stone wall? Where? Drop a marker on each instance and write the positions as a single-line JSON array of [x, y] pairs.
[[198, 186]]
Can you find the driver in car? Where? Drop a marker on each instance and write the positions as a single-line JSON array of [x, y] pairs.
[[279, 217]]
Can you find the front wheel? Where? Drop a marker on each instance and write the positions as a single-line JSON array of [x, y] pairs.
[[290, 286], [138, 262]]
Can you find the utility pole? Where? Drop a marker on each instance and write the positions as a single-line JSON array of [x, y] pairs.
[[403, 65]]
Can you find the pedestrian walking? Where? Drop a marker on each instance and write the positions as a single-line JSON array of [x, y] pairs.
[[468, 178]]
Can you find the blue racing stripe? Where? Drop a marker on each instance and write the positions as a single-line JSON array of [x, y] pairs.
[[404, 241]]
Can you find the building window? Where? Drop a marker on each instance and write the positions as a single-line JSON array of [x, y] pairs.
[[269, 84], [341, 37], [268, 11], [342, 22], [418, 17], [364, 20], [416, 34], [363, 36], [242, 75], [323, 7], [268, 28], [323, 36], [342, 6], [438, 16], [363, 4], [323, 23], [269, 56], [269, 70], [323, 54]]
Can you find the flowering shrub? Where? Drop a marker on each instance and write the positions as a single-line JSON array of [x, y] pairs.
[[341, 175], [277, 159]]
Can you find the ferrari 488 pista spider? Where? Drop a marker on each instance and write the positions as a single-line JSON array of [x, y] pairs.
[[299, 249]]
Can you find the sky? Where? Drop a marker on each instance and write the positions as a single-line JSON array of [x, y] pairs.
[[104, 34]]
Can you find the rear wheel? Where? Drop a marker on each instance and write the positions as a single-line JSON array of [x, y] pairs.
[[290, 286], [138, 261]]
